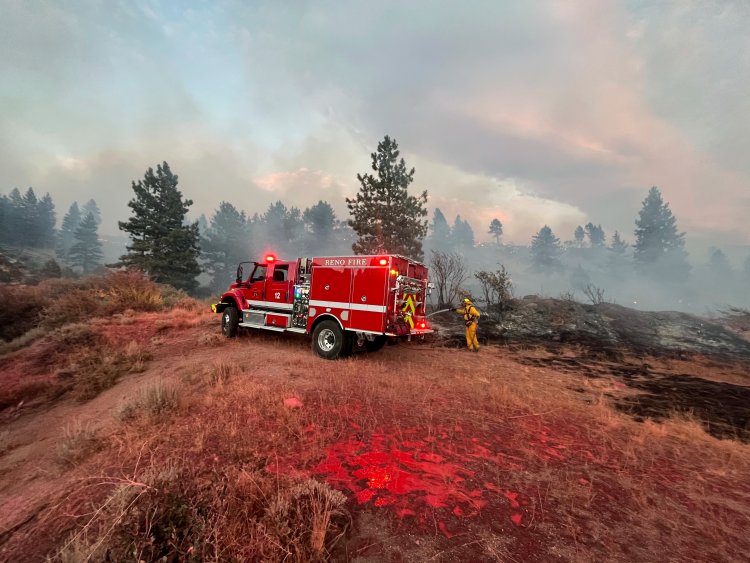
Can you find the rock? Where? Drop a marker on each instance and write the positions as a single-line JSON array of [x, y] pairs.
[[293, 403]]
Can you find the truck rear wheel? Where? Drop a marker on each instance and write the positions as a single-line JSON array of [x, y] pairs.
[[328, 340], [375, 344], [229, 322]]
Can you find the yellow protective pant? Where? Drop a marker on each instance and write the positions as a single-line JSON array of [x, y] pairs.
[[471, 337]]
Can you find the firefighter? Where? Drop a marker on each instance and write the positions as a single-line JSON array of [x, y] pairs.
[[471, 318]]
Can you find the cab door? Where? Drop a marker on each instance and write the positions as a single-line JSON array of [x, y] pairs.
[[279, 284], [256, 283]]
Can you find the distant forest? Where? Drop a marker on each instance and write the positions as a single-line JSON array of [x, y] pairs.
[[650, 270]]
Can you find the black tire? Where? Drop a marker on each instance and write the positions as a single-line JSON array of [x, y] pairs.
[[350, 343], [328, 340], [229, 322], [376, 344]]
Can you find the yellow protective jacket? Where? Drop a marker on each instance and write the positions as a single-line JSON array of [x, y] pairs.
[[470, 313]]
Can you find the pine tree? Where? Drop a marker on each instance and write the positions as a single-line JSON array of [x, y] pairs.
[[462, 235], [5, 217], [545, 250], [659, 248], [384, 216], [91, 207], [595, 234], [579, 235], [719, 263], [17, 225], [30, 216], [86, 252], [225, 243], [162, 244], [282, 226], [320, 220], [440, 231], [321, 224], [496, 230], [202, 223], [46, 221], [618, 246], [66, 234]]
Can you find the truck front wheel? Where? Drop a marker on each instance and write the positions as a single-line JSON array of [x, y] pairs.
[[328, 340], [229, 322]]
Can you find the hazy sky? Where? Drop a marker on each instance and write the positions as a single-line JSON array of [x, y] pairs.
[[534, 112]]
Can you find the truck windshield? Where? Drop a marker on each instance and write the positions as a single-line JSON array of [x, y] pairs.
[[259, 273]]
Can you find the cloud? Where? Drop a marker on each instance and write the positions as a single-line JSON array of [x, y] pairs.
[[537, 112]]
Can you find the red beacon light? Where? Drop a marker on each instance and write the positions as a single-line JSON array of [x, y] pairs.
[[383, 261], [270, 258], [423, 325]]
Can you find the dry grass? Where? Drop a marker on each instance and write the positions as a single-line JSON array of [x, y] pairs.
[[226, 475], [78, 441], [154, 399]]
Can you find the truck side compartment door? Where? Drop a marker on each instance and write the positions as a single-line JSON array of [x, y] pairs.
[[329, 293], [369, 294]]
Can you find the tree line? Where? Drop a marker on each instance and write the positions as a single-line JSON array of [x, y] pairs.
[[384, 217]]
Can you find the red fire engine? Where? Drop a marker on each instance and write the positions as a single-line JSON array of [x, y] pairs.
[[345, 302]]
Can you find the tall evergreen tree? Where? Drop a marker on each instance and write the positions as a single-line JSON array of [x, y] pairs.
[[659, 248], [462, 235], [46, 221], [30, 215], [66, 234], [617, 260], [162, 244], [496, 230], [282, 225], [384, 216], [595, 234], [579, 235], [440, 231], [719, 263], [86, 252], [202, 223], [545, 251], [91, 207], [5, 215], [618, 246], [225, 244], [320, 220], [16, 225]]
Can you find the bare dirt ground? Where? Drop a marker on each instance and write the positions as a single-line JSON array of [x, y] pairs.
[[523, 452]]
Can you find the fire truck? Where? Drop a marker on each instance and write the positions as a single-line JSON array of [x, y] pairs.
[[347, 303]]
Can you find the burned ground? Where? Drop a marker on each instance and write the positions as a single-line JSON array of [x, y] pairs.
[[639, 349]]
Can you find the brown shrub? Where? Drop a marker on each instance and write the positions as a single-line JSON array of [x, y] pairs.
[[96, 369], [130, 290], [155, 399], [20, 309], [78, 442]]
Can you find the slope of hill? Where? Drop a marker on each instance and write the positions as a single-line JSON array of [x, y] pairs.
[[151, 436]]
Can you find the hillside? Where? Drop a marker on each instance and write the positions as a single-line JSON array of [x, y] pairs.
[[137, 432]]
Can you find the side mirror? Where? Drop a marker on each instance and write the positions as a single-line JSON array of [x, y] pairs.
[[239, 274]]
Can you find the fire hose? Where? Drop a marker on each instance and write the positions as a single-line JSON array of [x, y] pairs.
[[436, 312]]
